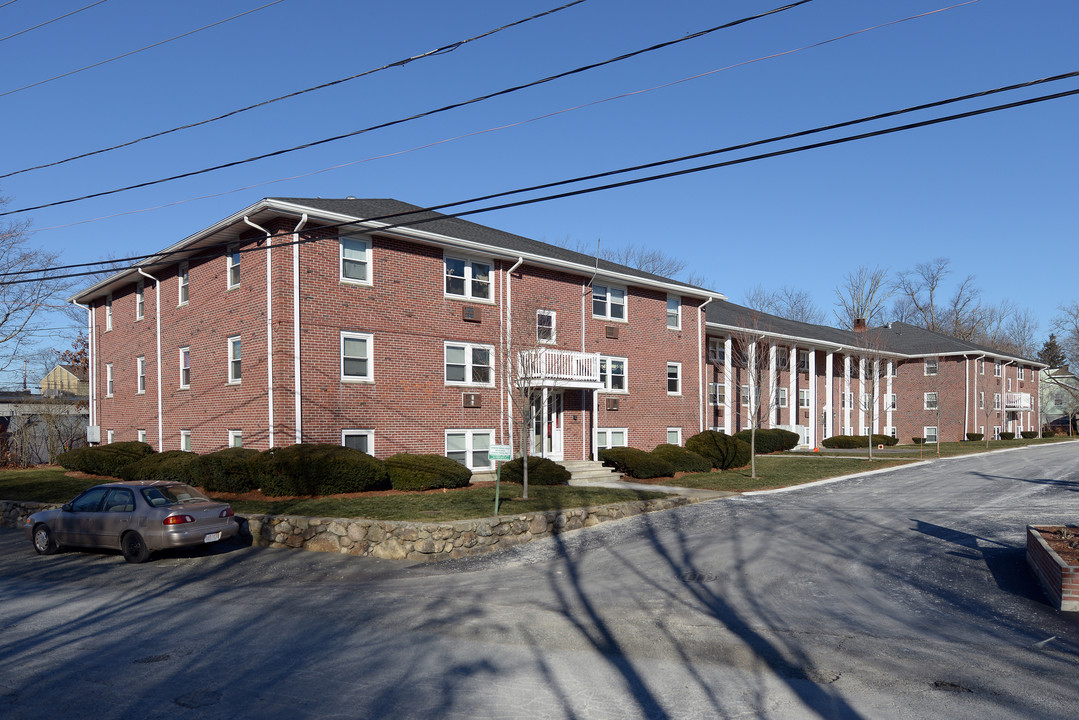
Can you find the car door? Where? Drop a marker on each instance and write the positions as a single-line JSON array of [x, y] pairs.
[[73, 525], [116, 515]]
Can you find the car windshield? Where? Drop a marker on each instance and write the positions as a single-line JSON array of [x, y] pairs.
[[162, 495]]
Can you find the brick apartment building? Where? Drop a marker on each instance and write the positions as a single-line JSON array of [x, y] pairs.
[[376, 325]]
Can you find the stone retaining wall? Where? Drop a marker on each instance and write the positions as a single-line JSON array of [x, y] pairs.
[[399, 540]]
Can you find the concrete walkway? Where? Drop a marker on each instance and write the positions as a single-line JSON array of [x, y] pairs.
[[698, 493]]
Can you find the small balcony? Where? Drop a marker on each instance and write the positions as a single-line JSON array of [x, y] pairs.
[[548, 367], [1018, 401]]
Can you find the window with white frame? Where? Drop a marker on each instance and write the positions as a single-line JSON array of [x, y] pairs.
[[362, 440], [470, 448], [185, 440], [674, 436], [674, 378], [140, 374], [981, 367], [236, 438], [108, 437], [890, 430], [996, 432], [1009, 384], [608, 302], [867, 400], [895, 371], [140, 300], [674, 312], [108, 379], [893, 402], [108, 312], [185, 368], [612, 373], [981, 400], [1021, 371], [996, 401], [469, 364], [233, 267], [356, 357], [607, 438], [781, 397], [846, 399], [142, 436], [996, 368], [545, 326], [744, 396], [183, 282], [717, 351], [803, 361], [467, 278], [234, 359], [355, 257], [930, 434], [930, 366], [717, 394], [783, 357], [930, 401], [803, 398]]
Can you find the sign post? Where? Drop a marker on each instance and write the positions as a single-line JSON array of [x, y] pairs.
[[499, 453]]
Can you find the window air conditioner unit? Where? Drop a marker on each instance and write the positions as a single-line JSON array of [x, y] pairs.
[[470, 313], [472, 400], [611, 403], [612, 332]]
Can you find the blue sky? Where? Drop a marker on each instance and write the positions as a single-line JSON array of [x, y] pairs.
[[995, 194]]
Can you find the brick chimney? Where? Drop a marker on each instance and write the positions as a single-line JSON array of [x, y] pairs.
[[859, 325]]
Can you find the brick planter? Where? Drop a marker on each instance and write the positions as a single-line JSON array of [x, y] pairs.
[[1059, 580]]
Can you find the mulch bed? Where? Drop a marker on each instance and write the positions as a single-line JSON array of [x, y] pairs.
[[1065, 542]]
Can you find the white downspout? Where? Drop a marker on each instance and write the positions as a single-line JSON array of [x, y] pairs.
[[700, 362], [90, 370], [296, 327], [157, 308], [269, 335], [511, 427]]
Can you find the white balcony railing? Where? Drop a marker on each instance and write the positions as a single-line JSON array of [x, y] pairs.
[[1018, 401], [558, 368]]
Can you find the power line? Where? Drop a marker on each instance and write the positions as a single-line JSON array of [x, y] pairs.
[[444, 49], [135, 52], [445, 108], [9, 2], [47, 22], [599, 188]]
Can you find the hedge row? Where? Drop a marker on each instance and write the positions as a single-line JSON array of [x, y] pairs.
[[722, 450], [848, 442], [769, 440], [636, 463], [975, 436], [104, 459], [541, 471]]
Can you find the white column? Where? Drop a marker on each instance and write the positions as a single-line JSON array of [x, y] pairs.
[[846, 395], [773, 382], [813, 421], [888, 403], [829, 365], [876, 398], [751, 364], [727, 385], [792, 392], [861, 394]]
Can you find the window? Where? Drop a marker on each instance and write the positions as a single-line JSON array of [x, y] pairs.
[[894, 372], [362, 440], [608, 303], [140, 374], [142, 436], [996, 432], [545, 326], [867, 401], [996, 401], [893, 402], [233, 262], [468, 278], [468, 364], [981, 400], [1009, 384], [355, 256], [846, 399], [1022, 372], [674, 378], [717, 352], [674, 436], [612, 373], [236, 438], [234, 359], [931, 366], [470, 447], [717, 394], [930, 434], [108, 312], [674, 312], [783, 357], [782, 397], [996, 368], [930, 401], [185, 440], [356, 357], [108, 437], [745, 396], [981, 367], [140, 300], [108, 379], [803, 398], [803, 361], [610, 437], [185, 368], [891, 431], [183, 281]]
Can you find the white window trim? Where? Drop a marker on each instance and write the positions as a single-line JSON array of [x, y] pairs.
[[141, 435], [713, 398], [235, 435], [468, 295], [608, 304], [367, 257], [677, 312], [981, 400], [554, 327], [936, 434], [108, 312], [803, 394], [781, 397], [469, 445], [185, 440], [108, 380], [231, 251], [140, 300], [183, 281], [996, 368], [925, 367], [717, 351], [185, 385], [108, 437], [234, 380], [369, 434], [677, 430], [469, 347], [997, 401], [370, 377], [926, 401], [678, 367], [608, 431], [140, 375], [607, 381]]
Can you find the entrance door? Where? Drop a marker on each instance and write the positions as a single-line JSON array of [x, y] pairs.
[[547, 425]]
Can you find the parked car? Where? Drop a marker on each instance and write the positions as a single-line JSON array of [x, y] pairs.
[[136, 518]]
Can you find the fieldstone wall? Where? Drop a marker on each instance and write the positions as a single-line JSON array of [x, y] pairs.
[[14, 514]]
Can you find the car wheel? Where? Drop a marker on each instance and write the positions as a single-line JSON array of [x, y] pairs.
[[44, 542], [134, 548]]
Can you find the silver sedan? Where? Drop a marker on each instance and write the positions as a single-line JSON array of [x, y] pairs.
[[136, 518]]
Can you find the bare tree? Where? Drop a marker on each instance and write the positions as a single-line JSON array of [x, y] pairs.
[[872, 365], [1065, 392], [863, 295], [638, 257], [1066, 323], [787, 302], [1009, 329], [752, 347]]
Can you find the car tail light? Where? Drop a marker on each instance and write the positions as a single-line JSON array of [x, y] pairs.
[[178, 519], [227, 512]]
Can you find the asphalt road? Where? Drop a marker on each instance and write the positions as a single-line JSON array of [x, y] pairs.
[[898, 595]]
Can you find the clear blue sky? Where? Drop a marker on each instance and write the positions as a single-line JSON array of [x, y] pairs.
[[995, 194]]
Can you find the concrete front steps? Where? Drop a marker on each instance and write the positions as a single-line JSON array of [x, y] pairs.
[[585, 472]]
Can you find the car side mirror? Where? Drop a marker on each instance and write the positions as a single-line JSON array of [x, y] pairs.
[[66, 507]]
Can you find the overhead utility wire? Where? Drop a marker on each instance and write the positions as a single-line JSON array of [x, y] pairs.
[[47, 22], [445, 108], [135, 52], [445, 49], [584, 191], [9, 2]]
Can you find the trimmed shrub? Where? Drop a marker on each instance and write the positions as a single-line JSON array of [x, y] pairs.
[[320, 469], [852, 442], [232, 470], [636, 463], [770, 440], [975, 436], [170, 465], [683, 460], [106, 460], [541, 471], [1029, 434], [918, 441], [1007, 436], [425, 472], [720, 449]]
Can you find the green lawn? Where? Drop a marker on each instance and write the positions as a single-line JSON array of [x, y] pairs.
[[47, 484], [783, 471]]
